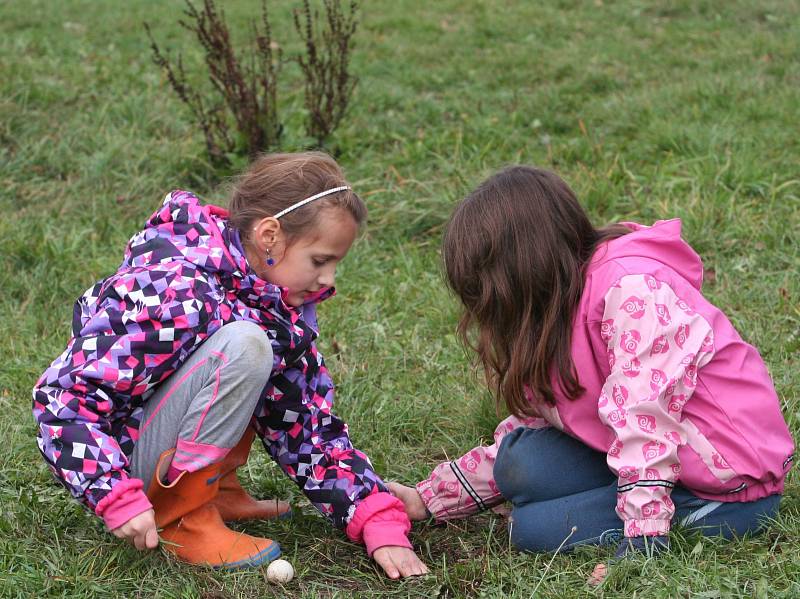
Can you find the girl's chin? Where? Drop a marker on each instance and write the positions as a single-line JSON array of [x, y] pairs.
[[297, 299]]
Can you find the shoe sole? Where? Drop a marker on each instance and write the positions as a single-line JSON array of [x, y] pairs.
[[262, 557]]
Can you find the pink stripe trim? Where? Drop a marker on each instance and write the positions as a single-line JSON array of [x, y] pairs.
[[224, 359], [170, 392], [190, 464], [191, 456]]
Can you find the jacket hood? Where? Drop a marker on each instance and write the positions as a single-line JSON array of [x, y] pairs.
[[184, 229], [661, 242]]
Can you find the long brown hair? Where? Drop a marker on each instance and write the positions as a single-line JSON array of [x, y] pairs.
[[276, 181], [515, 253]]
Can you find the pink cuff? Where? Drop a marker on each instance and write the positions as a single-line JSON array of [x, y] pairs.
[[646, 528], [126, 500], [432, 501], [380, 520]]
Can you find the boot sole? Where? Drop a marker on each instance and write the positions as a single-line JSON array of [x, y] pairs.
[[264, 556]]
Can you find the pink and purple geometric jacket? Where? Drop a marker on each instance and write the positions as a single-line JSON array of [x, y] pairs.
[[182, 278], [673, 393]]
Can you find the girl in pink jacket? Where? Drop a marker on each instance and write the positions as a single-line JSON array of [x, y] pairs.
[[635, 403]]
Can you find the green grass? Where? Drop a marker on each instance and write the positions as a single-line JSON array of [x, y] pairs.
[[648, 109]]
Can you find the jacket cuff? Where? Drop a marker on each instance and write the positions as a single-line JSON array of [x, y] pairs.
[[126, 500], [646, 528], [431, 500], [380, 520], [386, 533]]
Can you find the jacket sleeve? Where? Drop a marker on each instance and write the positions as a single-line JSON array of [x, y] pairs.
[[294, 418], [655, 344], [125, 341], [464, 486]]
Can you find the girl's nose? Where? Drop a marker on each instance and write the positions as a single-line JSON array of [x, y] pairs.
[[328, 277]]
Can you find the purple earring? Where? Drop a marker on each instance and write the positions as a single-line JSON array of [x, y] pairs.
[[270, 259]]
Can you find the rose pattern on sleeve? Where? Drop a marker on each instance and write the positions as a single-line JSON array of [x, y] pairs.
[[466, 485], [655, 343]]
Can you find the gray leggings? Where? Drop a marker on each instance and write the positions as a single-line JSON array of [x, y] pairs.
[[204, 407]]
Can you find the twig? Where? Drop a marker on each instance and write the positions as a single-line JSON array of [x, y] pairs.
[[550, 563]]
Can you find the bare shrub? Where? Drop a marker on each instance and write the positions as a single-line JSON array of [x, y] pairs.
[[325, 65], [246, 86]]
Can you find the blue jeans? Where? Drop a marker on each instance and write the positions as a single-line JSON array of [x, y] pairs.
[[555, 482]]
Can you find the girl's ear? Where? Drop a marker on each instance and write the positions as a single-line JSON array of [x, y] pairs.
[[266, 233]]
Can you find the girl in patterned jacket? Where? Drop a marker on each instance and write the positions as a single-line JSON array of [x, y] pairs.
[[203, 339], [635, 404]]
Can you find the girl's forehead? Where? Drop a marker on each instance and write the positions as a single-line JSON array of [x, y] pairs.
[[336, 234]]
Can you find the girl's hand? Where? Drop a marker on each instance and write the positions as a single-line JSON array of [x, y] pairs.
[[140, 530], [415, 507], [399, 561]]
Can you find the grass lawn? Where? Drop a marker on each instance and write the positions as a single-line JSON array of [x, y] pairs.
[[649, 109]]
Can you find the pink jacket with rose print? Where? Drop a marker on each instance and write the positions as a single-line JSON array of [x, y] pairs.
[[673, 393]]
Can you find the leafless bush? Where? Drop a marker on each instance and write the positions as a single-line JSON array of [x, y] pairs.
[[247, 86], [325, 65]]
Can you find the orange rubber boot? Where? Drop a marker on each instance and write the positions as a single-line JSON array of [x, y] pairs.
[[192, 528], [232, 501]]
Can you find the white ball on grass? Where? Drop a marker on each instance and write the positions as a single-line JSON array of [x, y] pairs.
[[280, 571]]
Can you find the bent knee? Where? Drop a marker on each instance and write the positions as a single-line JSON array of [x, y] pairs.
[[246, 342], [517, 465]]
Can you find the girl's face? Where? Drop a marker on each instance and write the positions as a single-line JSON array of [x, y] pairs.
[[309, 263]]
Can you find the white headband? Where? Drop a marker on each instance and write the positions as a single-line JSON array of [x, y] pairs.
[[317, 196]]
